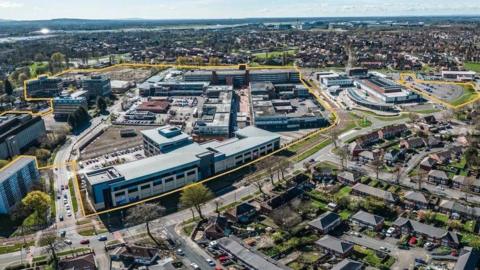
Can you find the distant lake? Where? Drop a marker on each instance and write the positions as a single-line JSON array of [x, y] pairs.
[[23, 38]]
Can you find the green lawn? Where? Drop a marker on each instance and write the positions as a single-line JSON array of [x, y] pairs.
[[468, 94], [13, 248], [344, 191], [442, 218], [72, 194], [313, 150], [469, 226], [345, 214], [472, 66], [273, 54]]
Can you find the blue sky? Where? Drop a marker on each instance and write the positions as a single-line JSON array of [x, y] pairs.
[[176, 9]]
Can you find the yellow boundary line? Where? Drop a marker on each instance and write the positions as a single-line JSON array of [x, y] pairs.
[[435, 99], [73, 164]]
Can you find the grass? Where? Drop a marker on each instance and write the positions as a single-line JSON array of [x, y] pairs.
[[469, 226], [188, 229], [344, 191], [345, 214], [473, 66], [468, 94], [53, 208], [442, 218], [73, 196], [273, 54], [90, 231], [72, 251], [385, 118], [13, 248]]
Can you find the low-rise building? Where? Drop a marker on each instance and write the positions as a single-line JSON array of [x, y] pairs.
[[429, 233], [468, 259], [347, 264], [44, 87], [365, 190], [163, 140], [348, 178], [97, 86], [326, 222], [458, 75], [438, 177], [16, 180], [335, 246], [135, 255], [370, 221], [415, 200], [65, 106]]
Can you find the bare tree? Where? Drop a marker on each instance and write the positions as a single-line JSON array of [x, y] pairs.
[[467, 185], [284, 165], [343, 155], [377, 164], [334, 136], [52, 244], [398, 173], [145, 213]]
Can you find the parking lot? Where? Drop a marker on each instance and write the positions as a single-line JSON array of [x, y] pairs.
[[446, 92], [111, 141]]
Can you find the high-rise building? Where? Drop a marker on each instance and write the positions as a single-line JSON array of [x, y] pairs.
[[16, 180], [64, 106], [18, 132]]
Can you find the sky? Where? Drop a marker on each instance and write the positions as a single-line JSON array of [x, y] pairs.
[[208, 9]]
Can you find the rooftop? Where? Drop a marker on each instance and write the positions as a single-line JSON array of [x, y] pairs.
[[13, 167], [165, 134]]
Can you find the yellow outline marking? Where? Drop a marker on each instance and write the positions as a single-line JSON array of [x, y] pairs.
[[284, 147], [435, 99]]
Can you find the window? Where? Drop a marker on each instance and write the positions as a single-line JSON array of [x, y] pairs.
[[157, 183], [145, 187], [132, 190], [190, 173], [168, 180]]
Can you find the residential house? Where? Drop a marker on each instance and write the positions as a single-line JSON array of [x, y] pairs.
[[324, 174], [368, 139], [354, 149], [468, 259], [348, 178], [133, 254], [242, 213], [348, 264], [430, 233], [335, 246], [433, 142], [442, 157], [393, 155], [438, 177], [281, 199], [369, 156], [428, 163], [365, 190], [415, 200], [412, 143], [83, 262], [217, 227], [326, 222], [458, 181], [430, 120], [393, 131], [458, 210], [365, 219]]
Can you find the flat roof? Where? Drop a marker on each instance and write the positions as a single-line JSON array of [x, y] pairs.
[[159, 138], [13, 167]]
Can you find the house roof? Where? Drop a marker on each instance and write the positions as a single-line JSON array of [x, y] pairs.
[[83, 262], [375, 192], [428, 162], [335, 244], [415, 196], [437, 174], [456, 207], [367, 218], [133, 251], [242, 209], [325, 220], [468, 259], [349, 176], [426, 229], [348, 264]]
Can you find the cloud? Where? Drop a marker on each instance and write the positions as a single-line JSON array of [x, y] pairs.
[[10, 4]]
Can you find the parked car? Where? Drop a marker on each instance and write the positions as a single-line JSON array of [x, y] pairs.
[[63, 233], [67, 241], [210, 262], [180, 252], [195, 266], [102, 238], [84, 241], [390, 232]]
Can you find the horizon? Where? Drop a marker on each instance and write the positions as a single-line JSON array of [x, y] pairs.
[[30, 10]]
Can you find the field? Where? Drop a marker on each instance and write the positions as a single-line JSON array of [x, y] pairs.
[[468, 94], [473, 66], [274, 54]]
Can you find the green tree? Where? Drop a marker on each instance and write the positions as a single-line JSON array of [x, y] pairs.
[[37, 201], [101, 104], [196, 195], [145, 213], [8, 87], [57, 62]]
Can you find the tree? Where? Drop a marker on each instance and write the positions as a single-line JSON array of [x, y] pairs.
[[213, 61], [284, 164], [145, 213], [471, 157], [414, 117], [39, 202], [334, 136], [8, 87], [196, 195], [52, 243], [468, 182], [343, 155], [101, 104], [57, 61], [377, 166], [454, 224]]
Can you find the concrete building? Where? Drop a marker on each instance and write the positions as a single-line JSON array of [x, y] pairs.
[[335, 79], [16, 180], [216, 119], [18, 132], [239, 78], [44, 87], [64, 106], [274, 76], [385, 90], [173, 88], [163, 140], [458, 75], [121, 184], [97, 86]]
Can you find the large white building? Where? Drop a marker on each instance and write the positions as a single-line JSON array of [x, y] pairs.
[[458, 75], [385, 90], [122, 184]]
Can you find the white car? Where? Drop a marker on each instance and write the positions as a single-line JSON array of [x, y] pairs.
[[69, 213], [195, 266], [390, 231], [210, 262]]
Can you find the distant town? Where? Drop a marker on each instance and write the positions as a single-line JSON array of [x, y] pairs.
[[293, 144]]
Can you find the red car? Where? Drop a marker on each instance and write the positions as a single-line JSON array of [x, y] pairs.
[[85, 242]]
